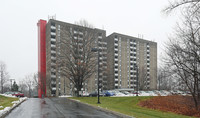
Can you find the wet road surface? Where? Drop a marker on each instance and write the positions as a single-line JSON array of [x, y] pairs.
[[56, 108]]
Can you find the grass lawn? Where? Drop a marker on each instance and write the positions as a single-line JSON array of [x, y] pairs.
[[128, 105], [6, 101]]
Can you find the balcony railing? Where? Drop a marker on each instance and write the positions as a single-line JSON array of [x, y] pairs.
[[53, 52], [53, 27], [53, 76], [54, 88], [53, 58], [53, 34], [53, 46], [53, 40]]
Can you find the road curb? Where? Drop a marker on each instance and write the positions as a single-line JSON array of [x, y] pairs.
[[104, 110], [5, 114]]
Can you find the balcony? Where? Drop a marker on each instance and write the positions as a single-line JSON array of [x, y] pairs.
[[148, 46], [100, 37], [115, 39], [53, 58], [116, 44], [53, 33], [81, 33], [53, 46], [53, 64], [53, 40], [116, 84], [116, 49], [131, 75], [116, 74], [53, 52], [75, 32], [131, 66], [116, 69], [53, 76], [53, 70], [116, 59], [53, 82], [53, 88], [53, 27]]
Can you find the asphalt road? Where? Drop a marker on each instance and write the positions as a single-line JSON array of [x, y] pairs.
[[56, 108]]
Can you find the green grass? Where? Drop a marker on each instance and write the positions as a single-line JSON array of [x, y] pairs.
[[128, 105], [6, 101]]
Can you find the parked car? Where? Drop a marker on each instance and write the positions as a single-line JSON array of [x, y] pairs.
[[109, 93], [18, 94], [85, 94], [9, 93], [95, 93]]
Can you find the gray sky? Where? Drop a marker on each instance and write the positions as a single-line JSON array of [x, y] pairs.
[[18, 29]]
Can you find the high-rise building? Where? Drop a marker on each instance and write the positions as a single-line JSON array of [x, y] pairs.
[[126, 54], [63, 40], [121, 62]]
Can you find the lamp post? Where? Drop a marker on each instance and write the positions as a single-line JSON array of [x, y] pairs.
[[97, 50], [136, 67]]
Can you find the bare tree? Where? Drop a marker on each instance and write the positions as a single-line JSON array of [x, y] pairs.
[[23, 88], [76, 60], [143, 82], [186, 5], [29, 81], [166, 79], [3, 75], [183, 53]]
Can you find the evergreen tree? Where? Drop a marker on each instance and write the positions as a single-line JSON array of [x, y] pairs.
[[15, 86]]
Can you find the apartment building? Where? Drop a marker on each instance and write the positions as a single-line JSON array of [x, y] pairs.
[[126, 56], [59, 37], [120, 60]]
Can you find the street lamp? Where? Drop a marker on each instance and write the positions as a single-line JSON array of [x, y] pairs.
[[136, 67], [97, 50]]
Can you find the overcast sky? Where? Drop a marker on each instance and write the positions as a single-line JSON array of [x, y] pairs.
[[18, 29]]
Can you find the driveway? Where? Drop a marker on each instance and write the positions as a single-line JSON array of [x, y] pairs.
[[56, 108]]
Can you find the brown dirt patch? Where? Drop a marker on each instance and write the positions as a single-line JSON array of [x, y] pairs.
[[178, 104]]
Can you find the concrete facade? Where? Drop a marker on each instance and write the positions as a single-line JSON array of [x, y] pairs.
[[124, 54], [56, 34]]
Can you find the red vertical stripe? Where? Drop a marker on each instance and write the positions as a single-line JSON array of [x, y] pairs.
[[42, 58]]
